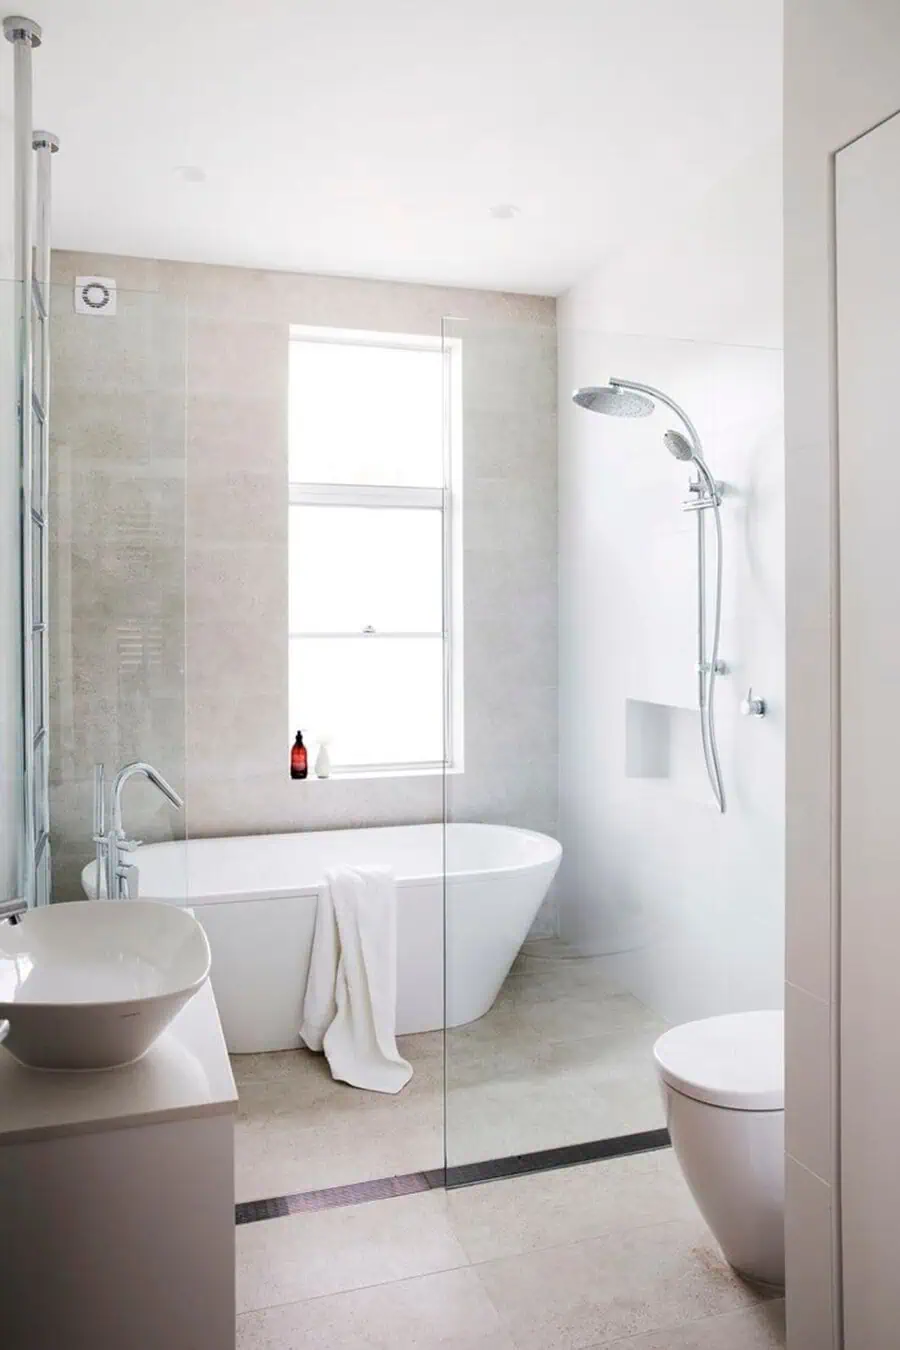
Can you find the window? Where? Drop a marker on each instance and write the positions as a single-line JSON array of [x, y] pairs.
[[374, 560]]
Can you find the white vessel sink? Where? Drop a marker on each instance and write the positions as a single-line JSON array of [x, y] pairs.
[[90, 985]]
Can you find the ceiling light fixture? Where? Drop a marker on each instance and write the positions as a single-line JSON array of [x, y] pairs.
[[190, 173], [505, 211]]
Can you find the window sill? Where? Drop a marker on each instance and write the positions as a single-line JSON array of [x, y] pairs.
[[355, 775]]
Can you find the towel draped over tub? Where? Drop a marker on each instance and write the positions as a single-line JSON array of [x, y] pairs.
[[350, 1006]]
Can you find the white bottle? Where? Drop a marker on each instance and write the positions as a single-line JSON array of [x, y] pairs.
[[323, 759]]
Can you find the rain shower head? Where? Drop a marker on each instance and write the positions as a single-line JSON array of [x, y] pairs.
[[625, 398], [678, 445], [613, 401]]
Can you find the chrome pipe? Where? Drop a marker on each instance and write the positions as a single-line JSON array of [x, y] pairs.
[[99, 799], [709, 669], [715, 665], [99, 832], [139, 769], [25, 35], [701, 616], [657, 394], [44, 145], [111, 860]]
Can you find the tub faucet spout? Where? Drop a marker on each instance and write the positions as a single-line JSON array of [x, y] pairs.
[[139, 769], [121, 876]]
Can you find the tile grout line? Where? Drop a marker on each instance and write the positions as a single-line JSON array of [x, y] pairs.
[[360, 1288], [467, 1264]]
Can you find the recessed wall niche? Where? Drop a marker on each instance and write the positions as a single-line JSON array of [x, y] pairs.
[[663, 743]]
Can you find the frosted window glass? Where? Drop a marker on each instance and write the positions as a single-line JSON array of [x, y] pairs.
[[379, 699], [353, 567], [363, 414]]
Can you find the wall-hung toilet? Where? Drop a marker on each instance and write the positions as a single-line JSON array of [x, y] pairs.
[[723, 1083]]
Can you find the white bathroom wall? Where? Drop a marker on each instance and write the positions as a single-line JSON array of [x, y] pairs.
[[842, 76], [867, 189], [10, 674], [689, 903]]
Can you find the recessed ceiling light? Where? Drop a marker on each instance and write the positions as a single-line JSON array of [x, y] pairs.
[[190, 173], [505, 211]]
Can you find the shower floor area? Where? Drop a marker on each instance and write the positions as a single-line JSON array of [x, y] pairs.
[[563, 1057]]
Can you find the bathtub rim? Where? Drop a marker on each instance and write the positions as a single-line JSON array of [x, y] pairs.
[[502, 872]]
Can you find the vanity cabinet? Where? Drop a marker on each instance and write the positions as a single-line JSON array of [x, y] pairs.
[[117, 1199]]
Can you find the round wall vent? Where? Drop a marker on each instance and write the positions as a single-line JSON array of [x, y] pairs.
[[95, 295]]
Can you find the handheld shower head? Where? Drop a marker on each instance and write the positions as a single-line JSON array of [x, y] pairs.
[[682, 449], [613, 401], [679, 445]]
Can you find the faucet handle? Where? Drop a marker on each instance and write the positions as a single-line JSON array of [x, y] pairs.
[[129, 845], [129, 876], [753, 707]]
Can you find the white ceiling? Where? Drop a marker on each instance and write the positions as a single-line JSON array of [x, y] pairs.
[[373, 137]]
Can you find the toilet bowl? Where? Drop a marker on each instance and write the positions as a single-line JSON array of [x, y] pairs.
[[723, 1084]]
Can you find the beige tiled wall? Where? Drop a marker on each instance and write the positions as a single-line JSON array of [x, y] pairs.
[[225, 520], [117, 618]]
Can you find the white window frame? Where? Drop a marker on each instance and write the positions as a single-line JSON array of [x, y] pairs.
[[447, 499]]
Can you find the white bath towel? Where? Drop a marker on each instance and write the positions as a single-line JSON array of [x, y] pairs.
[[350, 1006]]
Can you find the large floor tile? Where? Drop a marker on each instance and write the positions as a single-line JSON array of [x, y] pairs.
[[299, 1130], [505, 1024], [562, 974], [308, 1094], [563, 1057], [436, 1312], [279, 1157], [604, 1058], [549, 1209], [759, 1328], [288, 1160], [541, 1107], [493, 1055], [591, 1293], [327, 1251], [495, 1119], [581, 1012], [299, 1083], [622, 1106]]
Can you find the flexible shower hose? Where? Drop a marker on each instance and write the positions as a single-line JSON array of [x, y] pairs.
[[708, 710]]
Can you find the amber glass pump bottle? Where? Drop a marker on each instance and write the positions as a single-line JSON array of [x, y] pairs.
[[299, 760]]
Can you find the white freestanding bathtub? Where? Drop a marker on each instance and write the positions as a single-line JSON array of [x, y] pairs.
[[256, 898]]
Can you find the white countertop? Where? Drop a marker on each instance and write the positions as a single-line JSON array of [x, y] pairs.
[[186, 1073]]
